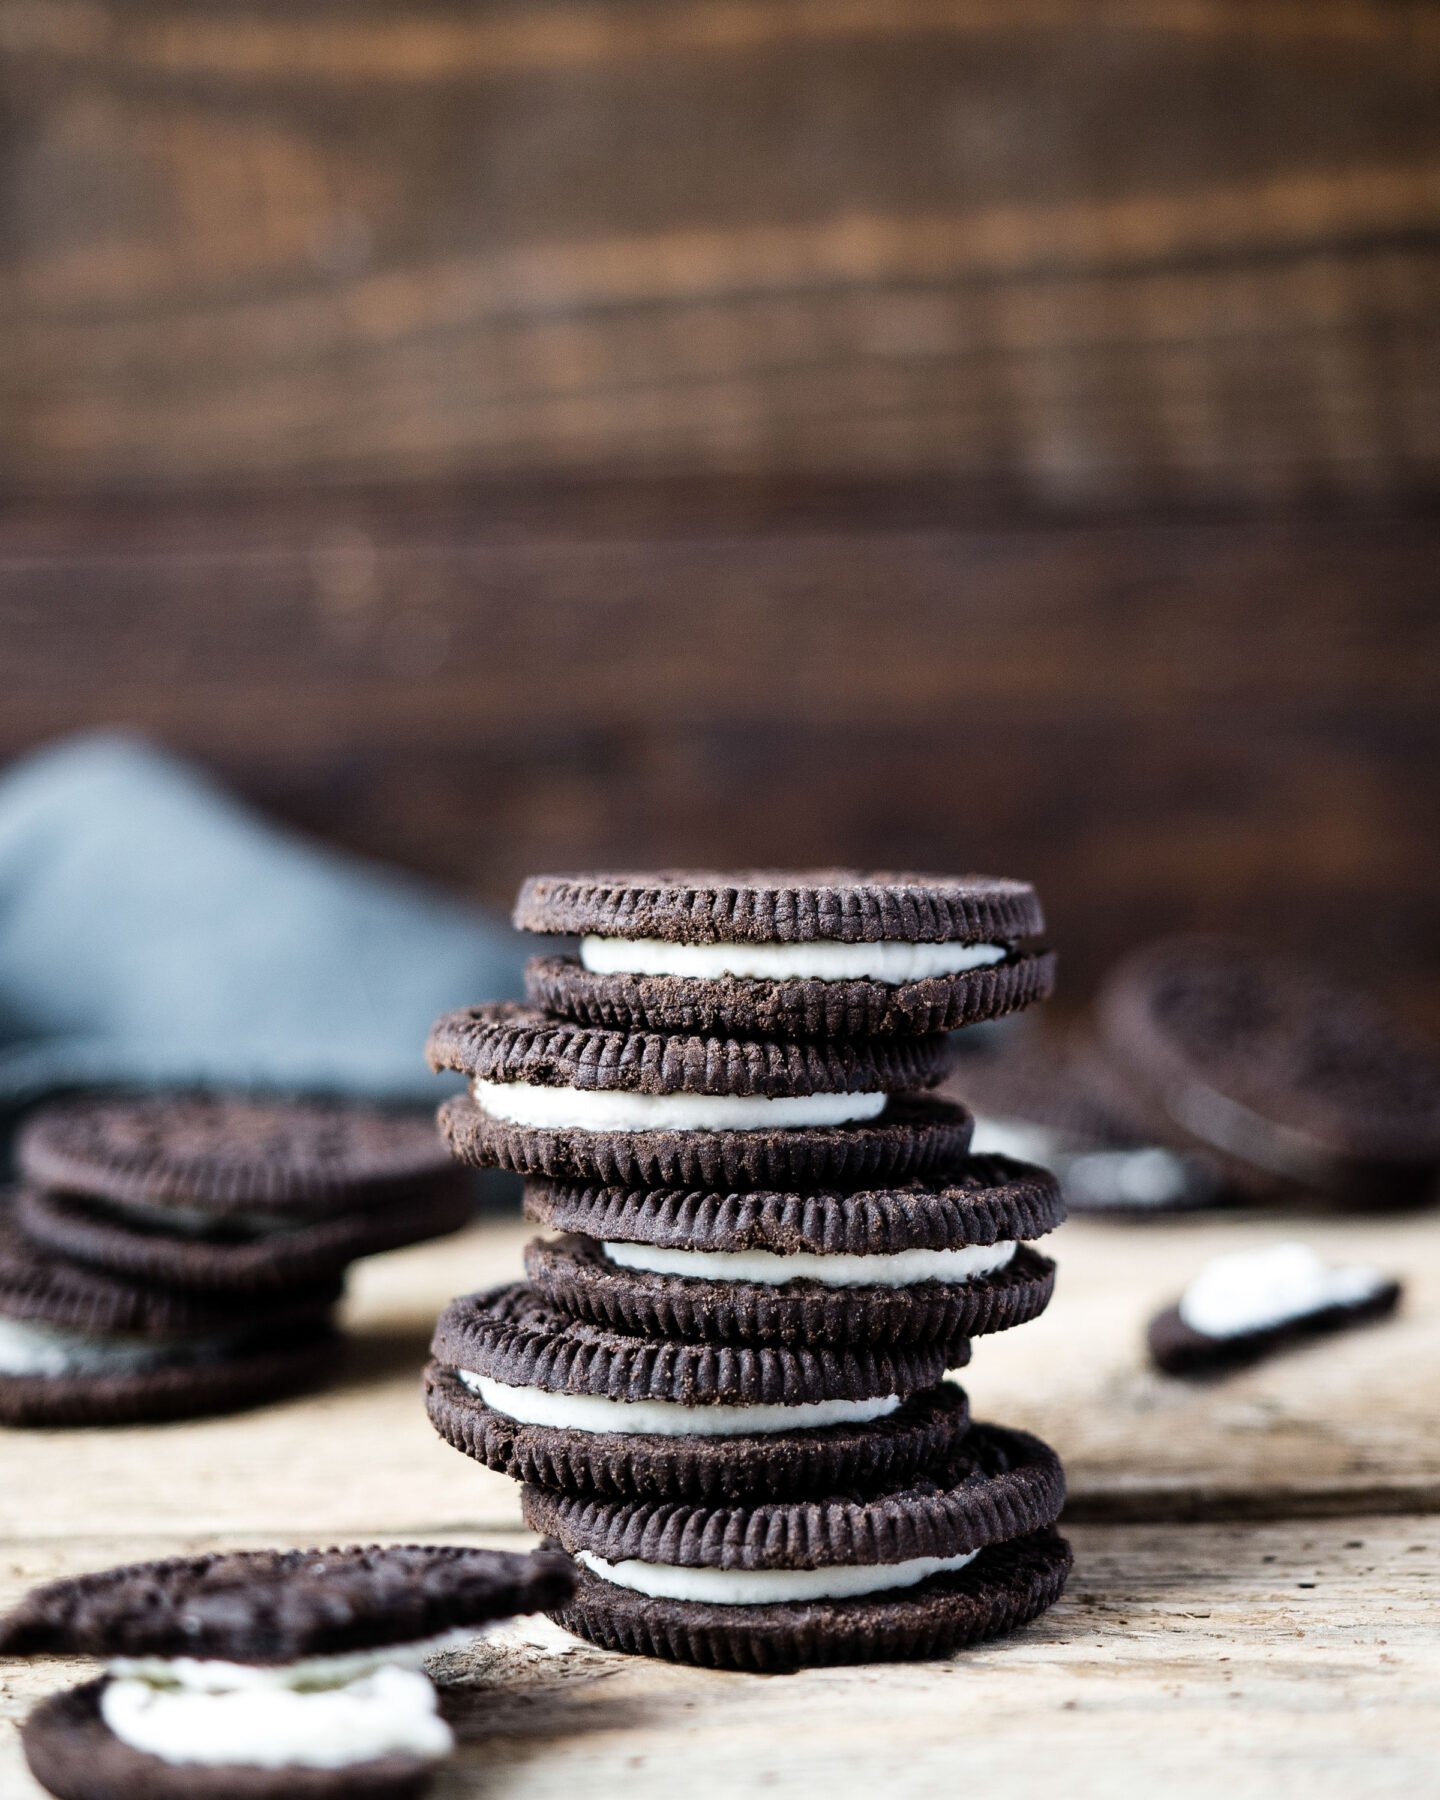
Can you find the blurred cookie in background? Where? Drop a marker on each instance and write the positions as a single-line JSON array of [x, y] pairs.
[[78, 1347], [232, 1194], [1289, 1076], [1040, 1097], [173, 1255]]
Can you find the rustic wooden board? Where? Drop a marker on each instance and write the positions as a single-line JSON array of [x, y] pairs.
[[1145, 251], [1162, 724], [1185, 1660], [1346, 1425], [1260, 1653]]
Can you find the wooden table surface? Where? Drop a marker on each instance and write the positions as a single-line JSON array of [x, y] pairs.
[[1252, 1610]]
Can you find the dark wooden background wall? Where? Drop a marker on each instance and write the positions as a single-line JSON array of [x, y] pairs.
[[974, 432]]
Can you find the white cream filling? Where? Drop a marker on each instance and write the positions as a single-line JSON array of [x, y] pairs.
[[391, 1711], [901, 1268], [827, 961], [31, 1347], [667, 1418], [1252, 1290], [766, 1587], [211, 1675], [607, 1109], [191, 1221]]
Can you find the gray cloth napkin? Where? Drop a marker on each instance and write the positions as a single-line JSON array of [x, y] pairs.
[[155, 932]]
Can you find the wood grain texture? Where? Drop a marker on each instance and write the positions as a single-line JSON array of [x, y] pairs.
[[1083, 251], [1184, 1659], [1225, 722], [1344, 1426], [1269, 1652]]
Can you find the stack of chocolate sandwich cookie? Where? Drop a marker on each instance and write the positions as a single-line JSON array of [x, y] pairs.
[[175, 1255], [263, 1675], [723, 1383]]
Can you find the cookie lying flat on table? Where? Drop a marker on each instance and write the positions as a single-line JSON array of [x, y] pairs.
[[78, 1347], [649, 1108], [263, 1675], [909, 1264], [826, 953], [566, 1404], [1041, 1099], [1243, 1306], [914, 1569], [1277, 1068]]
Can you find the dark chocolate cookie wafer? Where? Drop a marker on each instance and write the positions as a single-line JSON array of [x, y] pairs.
[[516, 1385], [504, 1042], [997, 1484], [235, 1258], [831, 953], [797, 1007], [782, 906], [74, 1754], [35, 1285], [981, 1200], [913, 1137], [1277, 1067], [833, 1579], [511, 1336], [217, 1155], [1006, 1587], [278, 1606], [578, 1277], [626, 1465]]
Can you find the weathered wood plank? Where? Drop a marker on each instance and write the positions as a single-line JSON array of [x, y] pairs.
[[1341, 1425], [1151, 252], [1346, 1425], [1184, 1659]]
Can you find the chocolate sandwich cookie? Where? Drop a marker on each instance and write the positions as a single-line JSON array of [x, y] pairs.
[[78, 1347], [825, 953], [646, 1108], [235, 1255], [1277, 1068], [216, 1156], [914, 1137], [566, 1404], [1054, 1100], [263, 1675], [914, 1569], [911, 1264], [1244, 1306]]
